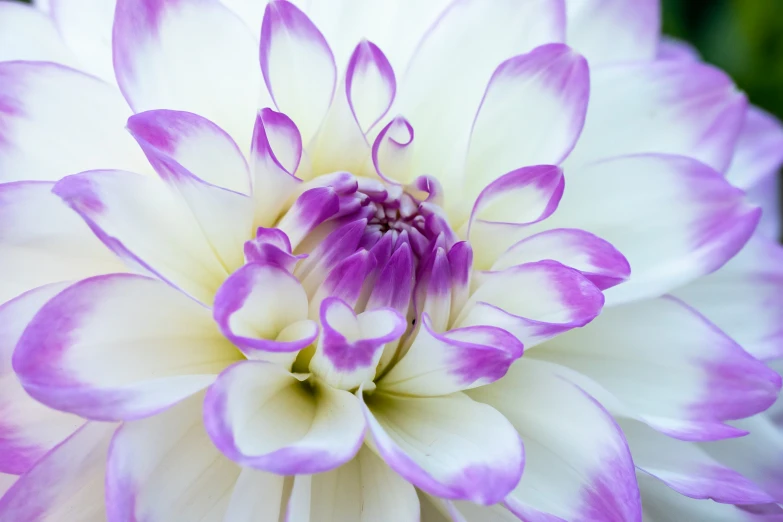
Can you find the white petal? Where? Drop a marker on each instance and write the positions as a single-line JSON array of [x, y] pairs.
[[120, 347], [585, 474], [26, 33], [611, 31], [154, 45], [370, 84], [86, 27], [759, 151], [247, 505], [67, 113]]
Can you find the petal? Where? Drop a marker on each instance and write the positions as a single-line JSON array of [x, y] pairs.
[[448, 446], [675, 49], [759, 151], [261, 416], [263, 310], [42, 241], [67, 484], [532, 113], [611, 31], [392, 151], [68, 112], [463, 358], [669, 367], [247, 505], [370, 84], [351, 345], [298, 66], [224, 216], [584, 475], [765, 194], [85, 26], [363, 490], [688, 469], [595, 258], [154, 44], [200, 146], [552, 300], [119, 347], [666, 106], [28, 429], [26, 33], [523, 196], [148, 226], [272, 246], [165, 468], [455, 59], [680, 219], [745, 298]]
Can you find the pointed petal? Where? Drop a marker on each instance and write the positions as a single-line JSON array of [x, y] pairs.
[[85, 26], [595, 258], [439, 364], [612, 31], [298, 66], [26, 33], [119, 347], [370, 85], [154, 43], [555, 299], [532, 113], [67, 484], [165, 468], [263, 310], [587, 475], [669, 367], [68, 112], [448, 446], [665, 106], [261, 416], [148, 226], [42, 241], [688, 469]]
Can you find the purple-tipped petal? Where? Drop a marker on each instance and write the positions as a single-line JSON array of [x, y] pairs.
[[392, 151], [261, 416], [675, 49], [433, 289], [532, 114], [297, 65], [119, 347], [154, 45], [276, 138], [481, 460], [759, 151], [370, 85], [312, 208], [584, 474], [463, 358], [394, 285], [272, 247], [263, 310], [595, 258]]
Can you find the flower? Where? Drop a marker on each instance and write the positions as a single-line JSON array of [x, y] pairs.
[[281, 260]]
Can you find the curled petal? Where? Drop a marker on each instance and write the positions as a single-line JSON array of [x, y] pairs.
[[263, 417], [370, 85], [392, 151], [272, 247]]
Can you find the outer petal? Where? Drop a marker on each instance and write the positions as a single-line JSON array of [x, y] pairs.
[[85, 26], [363, 490], [552, 299], [439, 364], [665, 106], [67, 484], [766, 194], [298, 66], [669, 367], [165, 468], [154, 43], [745, 298], [584, 475], [247, 505], [370, 84], [675, 49], [532, 113], [42, 241], [447, 446], [609, 31], [28, 429], [29, 34], [67, 112], [261, 416], [148, 226], [682, 219], [119, 347], [455, 59], [759, 151], [594, 257], [688, 469]]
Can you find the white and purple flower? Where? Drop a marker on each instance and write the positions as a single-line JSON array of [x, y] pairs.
[[368, 261]]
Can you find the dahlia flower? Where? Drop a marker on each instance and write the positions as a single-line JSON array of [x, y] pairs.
[[366, 261]]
